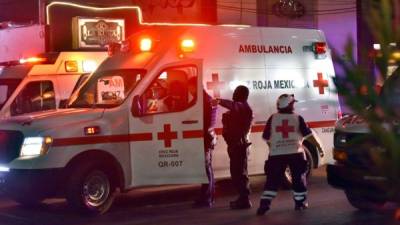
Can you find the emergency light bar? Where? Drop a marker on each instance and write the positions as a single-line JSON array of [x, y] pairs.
[[45, 58], [32, 60], [145, 44], [187, 45], [89, 66], [318, 48]]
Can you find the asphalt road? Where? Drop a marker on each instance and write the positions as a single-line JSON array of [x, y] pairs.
[[172, 205]]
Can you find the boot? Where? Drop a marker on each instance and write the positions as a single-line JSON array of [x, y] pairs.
[[264, 207], [299, 206]]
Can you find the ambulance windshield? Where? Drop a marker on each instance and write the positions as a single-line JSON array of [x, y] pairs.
[[106, 89]]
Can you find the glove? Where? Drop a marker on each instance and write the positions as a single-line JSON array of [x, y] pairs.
[[321, 152]]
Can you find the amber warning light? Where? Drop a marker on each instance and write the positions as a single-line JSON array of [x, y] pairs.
[[71, 66], [92, 130]]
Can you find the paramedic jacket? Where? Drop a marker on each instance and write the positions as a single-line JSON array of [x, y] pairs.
[[285, 132]]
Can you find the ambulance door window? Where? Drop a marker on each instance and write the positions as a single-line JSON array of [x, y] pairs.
[[173, 90], [35, 96], [80, 81], [3, 94]]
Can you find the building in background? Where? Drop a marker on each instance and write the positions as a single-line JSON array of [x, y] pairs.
[[337, 19], [341, 20], [50, 25]]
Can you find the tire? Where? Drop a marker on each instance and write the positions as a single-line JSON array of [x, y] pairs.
[[90, 189], [362, 203], [287, 181]]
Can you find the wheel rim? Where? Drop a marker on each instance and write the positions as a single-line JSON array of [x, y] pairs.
[[96, 189]]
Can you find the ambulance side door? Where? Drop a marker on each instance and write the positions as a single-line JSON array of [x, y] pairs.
[[166, 136]]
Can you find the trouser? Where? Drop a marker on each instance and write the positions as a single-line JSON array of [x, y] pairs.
[[275, 168], [208, 189], [238, 168]]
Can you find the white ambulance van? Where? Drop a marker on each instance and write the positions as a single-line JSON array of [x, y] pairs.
[[135, 123], [44, 83]]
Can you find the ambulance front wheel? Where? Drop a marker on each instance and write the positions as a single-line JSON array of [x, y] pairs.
[[363, 203], [90, 189]]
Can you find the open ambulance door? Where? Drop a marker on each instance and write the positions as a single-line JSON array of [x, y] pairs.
[[167, 127]]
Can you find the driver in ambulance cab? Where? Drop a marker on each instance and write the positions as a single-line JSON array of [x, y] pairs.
[[284, 134]]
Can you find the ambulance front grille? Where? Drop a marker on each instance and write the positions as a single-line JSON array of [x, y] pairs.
[[362, 149], [10, 145]]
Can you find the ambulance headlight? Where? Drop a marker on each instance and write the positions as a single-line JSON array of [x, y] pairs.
[[35, 146], [340, 140]]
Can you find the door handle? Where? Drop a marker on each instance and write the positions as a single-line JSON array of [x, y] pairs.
[[190, 121]]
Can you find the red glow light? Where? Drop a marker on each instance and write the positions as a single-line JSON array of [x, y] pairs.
[[319, 48]]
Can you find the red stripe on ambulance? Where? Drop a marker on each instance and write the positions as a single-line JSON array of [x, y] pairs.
[[319, 124], [167, 135], [314, 124], [192, 134], [102, 139]]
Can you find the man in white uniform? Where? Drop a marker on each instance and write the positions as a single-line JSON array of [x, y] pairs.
[[284, 133]]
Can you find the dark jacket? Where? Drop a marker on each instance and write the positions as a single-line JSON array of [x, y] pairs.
[[237, 121]]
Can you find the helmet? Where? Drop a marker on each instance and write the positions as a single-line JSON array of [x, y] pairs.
[[285, 100]]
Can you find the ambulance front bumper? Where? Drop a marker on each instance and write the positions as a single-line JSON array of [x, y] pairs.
[[44, 183], [347, 178]]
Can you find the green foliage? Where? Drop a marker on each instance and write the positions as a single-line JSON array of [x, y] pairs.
[[358, 89]]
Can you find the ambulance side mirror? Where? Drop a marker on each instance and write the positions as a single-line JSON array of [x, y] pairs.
[[136, 108]]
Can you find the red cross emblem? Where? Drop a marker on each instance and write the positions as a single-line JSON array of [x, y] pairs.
[[321, 84], [167, 135], [285, 128], [215, 85]]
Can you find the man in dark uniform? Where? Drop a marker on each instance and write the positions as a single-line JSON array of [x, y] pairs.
[[284, 133], [236, 127], [207, 191]]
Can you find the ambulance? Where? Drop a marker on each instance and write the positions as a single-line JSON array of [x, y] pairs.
[[119, 131], [43, 83]]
